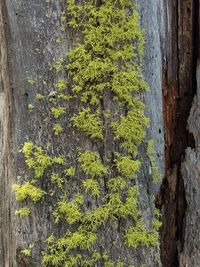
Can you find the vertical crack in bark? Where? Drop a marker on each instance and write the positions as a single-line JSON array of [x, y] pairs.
[[178, 93]]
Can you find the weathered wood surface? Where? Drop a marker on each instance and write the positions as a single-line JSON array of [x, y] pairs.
[[27, 49]]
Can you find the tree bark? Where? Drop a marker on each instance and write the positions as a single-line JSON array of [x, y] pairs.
[[28, 30]]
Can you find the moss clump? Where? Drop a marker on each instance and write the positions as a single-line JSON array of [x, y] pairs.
[[27, 251], [131, 130], [128, 167], [58, 65], [60, 248], [92, 186], [36, 159], [89, 123], [117, 184], [91, 164], [138, 235], [27, 190], [57, 128], [64, 97], [69, 210], [152, 157], [57, 111], [59, 160], [55, 178], [70, 171], [25, 211], [30, 81], [60, 85], [156, 223], [40, 97], [30, 106]]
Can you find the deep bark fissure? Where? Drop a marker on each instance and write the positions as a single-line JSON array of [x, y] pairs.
[[178, 96]]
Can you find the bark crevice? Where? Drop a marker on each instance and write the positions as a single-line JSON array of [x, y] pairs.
[[178, 93]]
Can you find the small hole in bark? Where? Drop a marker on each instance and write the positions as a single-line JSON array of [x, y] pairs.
[[159, 131], [26, 94]]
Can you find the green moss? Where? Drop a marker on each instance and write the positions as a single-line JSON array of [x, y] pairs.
[[116, 184], [109, 264], [156, 223], [58, 160], [128, 167], [58, 65], [55, 178], [57, 111], [25, 211], [27, 251], [30, 106], [30, 81], [139, 236], [89, 123], [69, 210], [91, 164], [120, 264], [70, 171], [27, 190], [64, 97], [131, 130], [60, 85], [57, 128], [152, 157], [69, 241], [92, 186], [125, 83], [57, 40], [40, 97], [36, 158]]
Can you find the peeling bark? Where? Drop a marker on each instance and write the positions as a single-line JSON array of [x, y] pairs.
[[179, 87]]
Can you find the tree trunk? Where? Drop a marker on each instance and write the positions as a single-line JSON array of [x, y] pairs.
[[33, 41]]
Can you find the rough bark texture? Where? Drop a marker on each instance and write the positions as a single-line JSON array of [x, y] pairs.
[[27, 49], [28, 45], [179, 86]]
